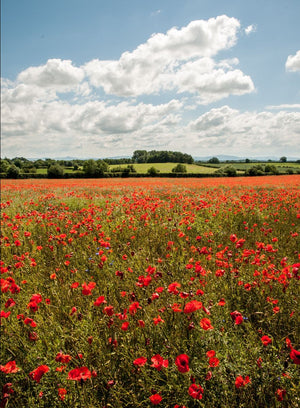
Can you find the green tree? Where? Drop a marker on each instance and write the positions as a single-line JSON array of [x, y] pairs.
[[140, 156], [214, 160], [152, 171], [4, 166], [13, 172], [271, 169], [92, 168], [180, 168], [283, 159], [55, 171]]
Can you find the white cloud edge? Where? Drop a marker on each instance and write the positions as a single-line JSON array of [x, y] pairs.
[[293, 62]]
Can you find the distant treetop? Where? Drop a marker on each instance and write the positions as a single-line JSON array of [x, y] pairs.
[[163, 156]]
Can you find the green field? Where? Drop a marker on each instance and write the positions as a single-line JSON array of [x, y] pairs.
[[282, 167], [203, 168], [142, 168]]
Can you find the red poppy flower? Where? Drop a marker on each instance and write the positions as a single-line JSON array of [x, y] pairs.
[[210, 353], [80, 373], [99, 301], [280, 393], [213, 362], [108, 310], [159, 362], [155, 399], [10, 303], [140, 361], [38, 373], [62, 392], [237, 317], [157, 320], [87, 288], [176, 307], [206, 324], [222, 302], [133, 307], [196, 391], [63, 358], [241, 382], [125, 326], [266, 340], [295, 356], [192, 306], [10, 368], [28, 320], [182, 363]]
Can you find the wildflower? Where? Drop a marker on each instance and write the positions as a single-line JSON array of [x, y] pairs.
[[295, 356], [157, 320], [140, 361], [63, 358], [241, 382], [237, 317], [10, 303], [99, 301], [38, 373], [87, 288], [206, 324], [125, 326], [266, 340], [159, 362], [80, 373], [28, 320], [108, 310], [280, 393], [182, 363], [196, 391], [192, 306], [213, 362], [155, 399], [133, 307], [10, 368], [62, 392]]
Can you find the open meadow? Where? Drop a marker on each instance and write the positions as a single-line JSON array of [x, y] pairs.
[[143, 292]]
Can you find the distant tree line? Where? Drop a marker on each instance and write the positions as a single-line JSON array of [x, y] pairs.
[[22, 167], [161, 156]]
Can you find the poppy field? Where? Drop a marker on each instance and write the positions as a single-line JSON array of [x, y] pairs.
[[143, 292]]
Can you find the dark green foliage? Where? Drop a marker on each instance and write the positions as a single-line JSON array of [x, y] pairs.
[[92, 168], [214, 160], [152, 171], [180, 168], [163, 156], [55, 171], [13, 172]]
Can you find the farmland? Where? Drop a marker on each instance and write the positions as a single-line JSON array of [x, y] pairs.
[[142, 292]]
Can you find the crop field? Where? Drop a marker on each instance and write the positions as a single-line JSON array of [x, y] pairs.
[[166, 167], [148, 291]]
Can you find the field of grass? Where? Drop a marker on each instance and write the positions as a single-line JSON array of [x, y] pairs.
[[122, 293], [282, 167], [142, 168]]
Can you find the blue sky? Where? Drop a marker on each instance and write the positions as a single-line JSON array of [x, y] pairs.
[[104, 78]]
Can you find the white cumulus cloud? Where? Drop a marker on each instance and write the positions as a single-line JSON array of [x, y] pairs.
[[233, 131], [293, 62], [179, 60]]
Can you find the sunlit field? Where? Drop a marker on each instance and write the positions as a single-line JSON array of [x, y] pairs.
[[143, 292]]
